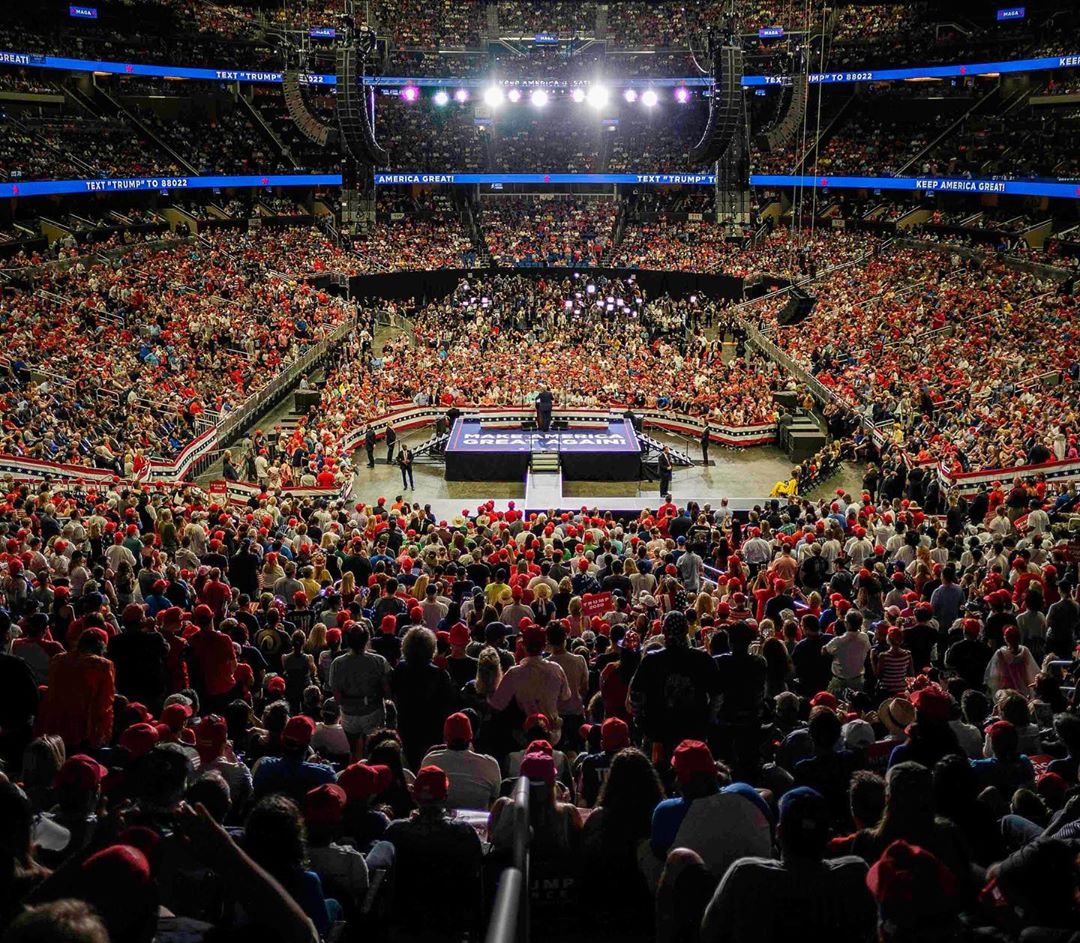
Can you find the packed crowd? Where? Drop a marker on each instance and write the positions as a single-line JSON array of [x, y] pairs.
[[904, 351], [523, 231], [844, 720], [111, 362], [592, 342]]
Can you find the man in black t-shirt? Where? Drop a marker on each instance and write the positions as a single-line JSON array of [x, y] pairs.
[[673, 689]]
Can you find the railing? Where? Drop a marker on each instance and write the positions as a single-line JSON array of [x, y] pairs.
[[509, 921]]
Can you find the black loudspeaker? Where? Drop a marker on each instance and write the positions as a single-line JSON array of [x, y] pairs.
[[789, 117], [725, 107], [356, 130], [799, 305], [309, 126]]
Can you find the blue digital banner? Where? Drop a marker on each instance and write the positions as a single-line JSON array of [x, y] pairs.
[[323, 32], [82, 13], [400, 81], [400, 179], [136, 184], [1011, 13], [546, 39], [1061, 190], [34, 61], [770, 32]]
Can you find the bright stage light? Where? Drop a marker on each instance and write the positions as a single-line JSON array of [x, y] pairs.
[[578, 95], [440, 98], [514, 95], [682, 95], [493, 97], [630, 95], [461, 95], [539, 98], [410, 93], [598, 96], [648, 98]]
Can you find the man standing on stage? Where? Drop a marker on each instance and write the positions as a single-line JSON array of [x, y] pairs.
[[544, 402], [391, 441], [705, 445], [369, 446], [405, 460], [666, 468]]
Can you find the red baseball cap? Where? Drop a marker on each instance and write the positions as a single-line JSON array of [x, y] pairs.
[[298, 731], [457, 729], [80, 772], [431, 785], [614, 735], [324, 805], [692, 757]]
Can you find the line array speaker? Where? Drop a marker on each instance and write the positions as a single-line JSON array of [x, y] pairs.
[[725, 107], [310, 127], [356, 130]]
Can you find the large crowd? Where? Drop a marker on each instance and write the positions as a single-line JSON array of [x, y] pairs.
[[519, 231], [113, 361], [846, 719]]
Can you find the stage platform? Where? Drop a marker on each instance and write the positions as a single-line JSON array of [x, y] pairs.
[[476, 452]]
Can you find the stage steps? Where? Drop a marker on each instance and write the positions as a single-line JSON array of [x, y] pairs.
[[655, 445], [544, 462]]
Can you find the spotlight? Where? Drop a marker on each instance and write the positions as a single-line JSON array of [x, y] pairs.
[[514, 95], [682, 95], [578, 95], [440, 98], [410, 93], [648, 98], [493, 97], [461, 95], [598, 96], [630, 95], [539, 98]]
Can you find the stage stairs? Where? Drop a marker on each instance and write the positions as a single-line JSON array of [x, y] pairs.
[[544, 461], [677, 457]]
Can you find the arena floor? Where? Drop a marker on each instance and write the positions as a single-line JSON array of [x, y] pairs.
[[745, 473]]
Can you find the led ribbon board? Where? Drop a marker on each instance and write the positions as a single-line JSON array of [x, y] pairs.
[[35, 61], [136, 184], [404, 179], [1059, 189]]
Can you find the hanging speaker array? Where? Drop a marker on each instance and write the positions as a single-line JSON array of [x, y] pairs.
[[725, 107]]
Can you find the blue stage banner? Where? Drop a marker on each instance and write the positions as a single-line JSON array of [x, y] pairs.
[[1011, 13], [770, 32], [82, 13], [1061, 190], [135, 184], [403, 179]]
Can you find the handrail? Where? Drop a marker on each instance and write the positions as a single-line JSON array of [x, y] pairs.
[[503, 927], [509, 922]]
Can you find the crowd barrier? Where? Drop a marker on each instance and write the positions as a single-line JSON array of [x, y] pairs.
[[405, 417]]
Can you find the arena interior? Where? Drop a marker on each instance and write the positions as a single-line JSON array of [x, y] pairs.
[[541, 470]]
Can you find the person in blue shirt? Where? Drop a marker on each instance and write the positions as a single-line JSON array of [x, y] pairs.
[[1008, 769], [291, 773]]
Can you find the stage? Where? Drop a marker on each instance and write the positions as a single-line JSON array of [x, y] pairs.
[[608, 451]]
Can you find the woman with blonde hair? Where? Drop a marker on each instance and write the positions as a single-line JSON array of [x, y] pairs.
[[704, 605], [347, 587], [316, 641], [542, 606], [577, 622], [419, 588]]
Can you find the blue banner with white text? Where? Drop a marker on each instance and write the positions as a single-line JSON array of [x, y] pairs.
[[1051, 188], [404, 179], [137, 184]]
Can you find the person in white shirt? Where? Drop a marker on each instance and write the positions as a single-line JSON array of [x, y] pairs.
[[849, 651], [330, 739], [474, 777], [1001, 526]]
